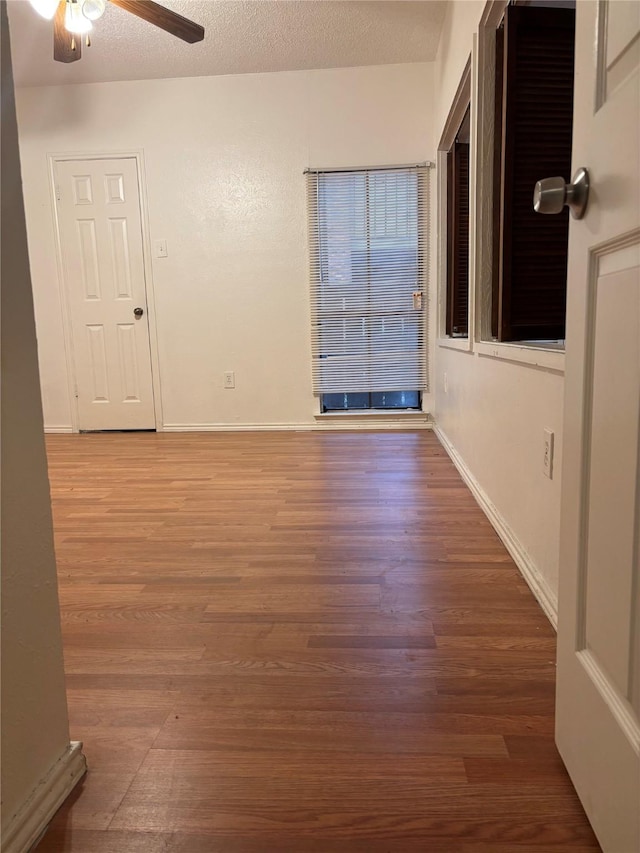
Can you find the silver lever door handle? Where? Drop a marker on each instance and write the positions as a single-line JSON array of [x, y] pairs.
[[552, 194]]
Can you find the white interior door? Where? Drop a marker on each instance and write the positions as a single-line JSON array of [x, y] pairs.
[[598, 696], [100, 229]]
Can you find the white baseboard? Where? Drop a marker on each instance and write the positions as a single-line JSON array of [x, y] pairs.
[[36, 813], [331, 422], [337, 424], [545, 596]]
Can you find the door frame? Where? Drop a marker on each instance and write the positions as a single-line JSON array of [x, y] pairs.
[[63, 289]]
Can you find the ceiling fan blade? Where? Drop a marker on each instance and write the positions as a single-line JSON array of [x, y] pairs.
[[164, 18], [66, 46]]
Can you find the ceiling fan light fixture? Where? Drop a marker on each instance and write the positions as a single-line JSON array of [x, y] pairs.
[[74, 21], [46, 8], [93, 9]]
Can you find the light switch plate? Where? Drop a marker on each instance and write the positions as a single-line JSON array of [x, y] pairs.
[[160, 248], [547, 461]]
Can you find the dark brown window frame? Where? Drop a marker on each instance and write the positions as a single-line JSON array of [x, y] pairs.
[[458, 243], [448, 310]]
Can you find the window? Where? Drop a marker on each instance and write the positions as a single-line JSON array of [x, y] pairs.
[[371, 400], [368, 268], [457, 308], [454, 271], [533, 136]]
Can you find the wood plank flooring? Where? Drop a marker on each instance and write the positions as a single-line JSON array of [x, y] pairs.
[[298, 643]]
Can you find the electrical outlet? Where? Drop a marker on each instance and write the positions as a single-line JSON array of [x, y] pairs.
[[229, 379], [445, 384], [547, 462]]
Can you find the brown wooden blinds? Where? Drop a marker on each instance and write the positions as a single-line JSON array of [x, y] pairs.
[[458, 233], [534, 120]]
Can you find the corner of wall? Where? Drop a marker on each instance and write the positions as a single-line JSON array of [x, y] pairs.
[[35, 814], [39, 765]]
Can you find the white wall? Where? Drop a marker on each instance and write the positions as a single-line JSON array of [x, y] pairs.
[[224, 158], [35, 729], [495, 411], [461, 21]]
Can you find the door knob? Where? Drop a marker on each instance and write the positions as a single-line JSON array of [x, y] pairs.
[[138, 312], [552, 194]]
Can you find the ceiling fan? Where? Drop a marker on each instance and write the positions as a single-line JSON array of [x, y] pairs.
[[73, 19]]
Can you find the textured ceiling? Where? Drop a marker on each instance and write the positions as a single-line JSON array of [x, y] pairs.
[[241, 37]]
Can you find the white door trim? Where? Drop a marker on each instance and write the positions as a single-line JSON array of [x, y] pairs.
[[138, 156]]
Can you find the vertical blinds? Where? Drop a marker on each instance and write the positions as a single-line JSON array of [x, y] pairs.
[[458, 239], [536, 123], [368, 232]]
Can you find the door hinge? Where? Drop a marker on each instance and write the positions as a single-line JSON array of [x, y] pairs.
[[75, 391], [58, 193]]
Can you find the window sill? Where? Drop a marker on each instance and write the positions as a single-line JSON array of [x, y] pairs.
[[463, 344], [550, 358], [369, 415]]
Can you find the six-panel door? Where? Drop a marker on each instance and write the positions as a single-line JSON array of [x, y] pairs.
[[598, 693], [103, 267]]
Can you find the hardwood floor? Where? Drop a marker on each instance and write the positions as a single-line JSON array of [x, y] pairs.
[[299, 643]]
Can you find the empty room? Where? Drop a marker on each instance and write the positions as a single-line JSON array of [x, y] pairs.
[[320, 426]]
